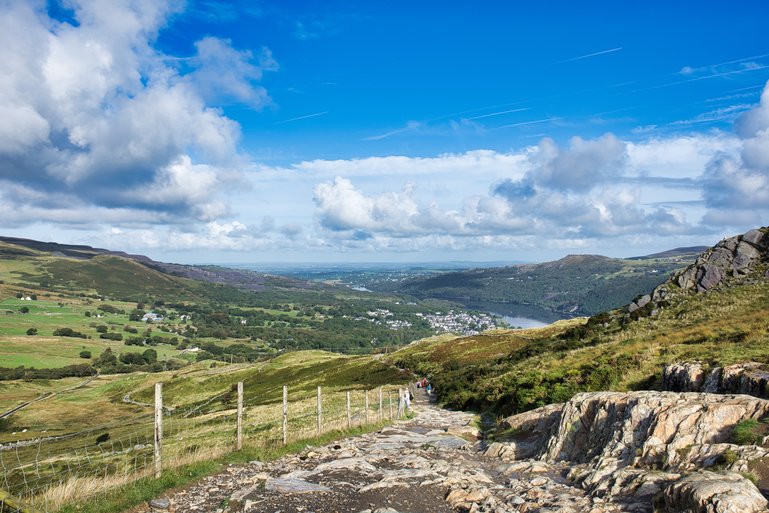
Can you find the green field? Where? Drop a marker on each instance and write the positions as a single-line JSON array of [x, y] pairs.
[[47, 351]]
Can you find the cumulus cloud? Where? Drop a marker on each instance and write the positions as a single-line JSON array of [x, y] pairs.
[[93, 112], [737, 186], [590, 189]]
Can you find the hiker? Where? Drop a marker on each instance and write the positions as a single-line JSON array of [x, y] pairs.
[[407, 398]]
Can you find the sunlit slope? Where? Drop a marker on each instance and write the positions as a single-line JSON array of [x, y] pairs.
[[693, 316]]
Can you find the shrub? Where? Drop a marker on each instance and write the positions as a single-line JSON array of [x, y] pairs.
[[68, 332], [111, 336], [32, 331], [102, 438], [24, 310], [726, 458], [85, 354], [747, 432], [110, 309]]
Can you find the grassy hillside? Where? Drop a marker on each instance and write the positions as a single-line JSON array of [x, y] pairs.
[[574, 285], [202, 387], [513, 371]]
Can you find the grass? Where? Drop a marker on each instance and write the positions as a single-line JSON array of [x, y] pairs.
[[750, 432], [130, 495], [201, 427], [512, 371]]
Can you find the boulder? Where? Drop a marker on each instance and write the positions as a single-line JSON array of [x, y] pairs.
[[742, 378], [711, 492], [531, 431], [683, 377]]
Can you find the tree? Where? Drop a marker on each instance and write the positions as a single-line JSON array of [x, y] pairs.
[[132, 359], [150, 356], [85, 354], [106, 359], [136, 315]]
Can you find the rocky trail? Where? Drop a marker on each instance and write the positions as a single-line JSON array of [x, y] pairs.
[[433, 463], [601, 452]]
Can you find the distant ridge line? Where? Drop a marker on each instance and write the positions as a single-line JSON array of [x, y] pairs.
[[673, 253]]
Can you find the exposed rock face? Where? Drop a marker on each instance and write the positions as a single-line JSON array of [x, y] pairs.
[[743, 257], [742, 378], [708, 492], [534, 429], [633, 446]]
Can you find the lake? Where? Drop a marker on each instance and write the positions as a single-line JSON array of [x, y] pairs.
[[524, 316]]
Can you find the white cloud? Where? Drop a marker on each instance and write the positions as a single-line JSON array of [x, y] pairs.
[[739, 184], [92, 111], [598, 190]]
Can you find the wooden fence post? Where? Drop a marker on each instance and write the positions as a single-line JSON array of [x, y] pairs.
[[380, 404], [349, 417], [400, 402], [320, 412], [239, 444], [390, 397], [365, 406], [285, 414], [158, 429]]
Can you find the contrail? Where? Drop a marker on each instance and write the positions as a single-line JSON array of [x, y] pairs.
[[301, 117], [590, 55], [498, 113], [530, 122]]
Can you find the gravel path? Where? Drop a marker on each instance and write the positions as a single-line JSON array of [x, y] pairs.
[[431, 464]]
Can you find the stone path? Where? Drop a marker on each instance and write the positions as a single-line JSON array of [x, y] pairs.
[[431, 464]]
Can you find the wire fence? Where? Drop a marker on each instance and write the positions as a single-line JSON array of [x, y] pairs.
[[45, 474]]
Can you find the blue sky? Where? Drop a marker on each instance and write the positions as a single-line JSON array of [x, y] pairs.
[[207, 131]]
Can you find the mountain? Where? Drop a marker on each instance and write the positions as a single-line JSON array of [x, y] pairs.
[[574, 285], [681, 253], [124, 275], [713, 311]]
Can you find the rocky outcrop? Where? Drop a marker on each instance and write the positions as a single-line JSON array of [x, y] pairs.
[[710, 492], [613, 430], [530, 432], [636, 445], [741, 258], [733, 257], [743, 378]]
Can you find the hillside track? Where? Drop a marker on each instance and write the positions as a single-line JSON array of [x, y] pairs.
[[47, 395], [432, 463]]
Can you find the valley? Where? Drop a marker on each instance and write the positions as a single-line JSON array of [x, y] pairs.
[[93, 332]]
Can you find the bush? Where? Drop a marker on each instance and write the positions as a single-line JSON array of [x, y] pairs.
[[23, 310], [150, 356], [110, 309], [85, 354], [747, 432], [111, 336], [32, 331], [102, 438], [68, 332]]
